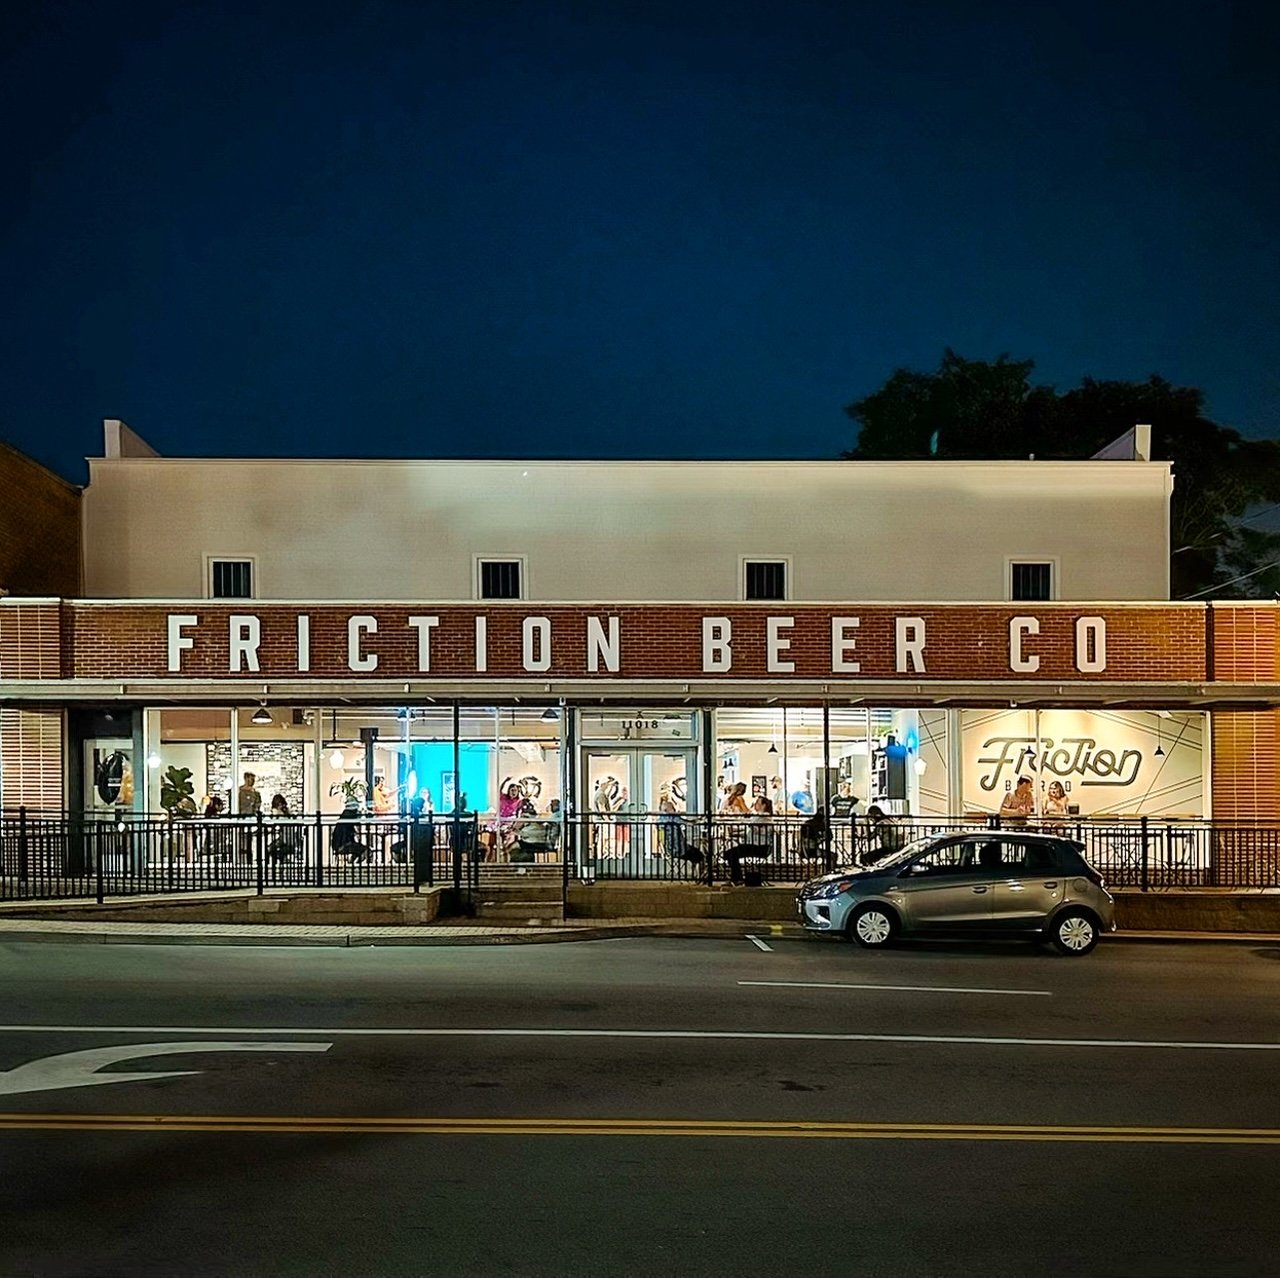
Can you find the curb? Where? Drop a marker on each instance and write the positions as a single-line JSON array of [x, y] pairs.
[[345, 941]]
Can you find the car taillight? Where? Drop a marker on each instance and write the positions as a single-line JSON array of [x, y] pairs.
[[1094, 877]]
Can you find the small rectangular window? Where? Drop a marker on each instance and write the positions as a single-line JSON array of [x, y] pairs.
[[1031, 581], [500, 579], [765, 579], [231, 579]]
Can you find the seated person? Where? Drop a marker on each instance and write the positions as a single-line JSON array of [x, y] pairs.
[[532, 834], [422, 834], [758, 844], [344, 840]]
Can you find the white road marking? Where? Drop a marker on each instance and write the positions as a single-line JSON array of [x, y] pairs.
[[963, 1040], [79, 1069], [760, 945], [916, 989]]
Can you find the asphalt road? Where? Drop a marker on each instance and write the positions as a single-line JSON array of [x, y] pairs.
[[650, 1106]]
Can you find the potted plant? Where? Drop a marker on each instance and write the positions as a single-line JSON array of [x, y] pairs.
[[177, 798], [352, 790]]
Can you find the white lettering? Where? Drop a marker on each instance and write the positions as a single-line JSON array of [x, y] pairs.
[[776, 645], [602, 647], [842, 644], [537, 644], [909, 643], [178, 642], [1091, 633], [246, 634], [304, 643], [717, 645], [1019, 627], [357, 628], [424, 626], [482, 645]]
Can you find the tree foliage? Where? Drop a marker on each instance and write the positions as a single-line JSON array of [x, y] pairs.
[[993, 409]]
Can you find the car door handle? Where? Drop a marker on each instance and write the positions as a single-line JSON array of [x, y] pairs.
[[979, 890], [1052, 885]]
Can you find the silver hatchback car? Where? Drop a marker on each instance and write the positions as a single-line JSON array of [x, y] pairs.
[[1003, 882]]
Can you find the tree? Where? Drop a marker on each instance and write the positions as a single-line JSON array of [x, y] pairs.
[[980, 409]]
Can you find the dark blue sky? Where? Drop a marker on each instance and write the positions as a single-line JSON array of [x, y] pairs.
[[551, 229]]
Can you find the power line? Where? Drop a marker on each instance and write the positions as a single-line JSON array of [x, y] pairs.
[[1244, 576]]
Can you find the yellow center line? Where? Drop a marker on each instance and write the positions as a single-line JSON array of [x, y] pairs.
[[515, 1126]]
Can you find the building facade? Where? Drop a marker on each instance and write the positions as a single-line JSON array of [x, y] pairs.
[[635, 638]]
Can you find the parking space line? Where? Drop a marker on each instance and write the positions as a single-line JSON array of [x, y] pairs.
[[913, 989], [760, 945]]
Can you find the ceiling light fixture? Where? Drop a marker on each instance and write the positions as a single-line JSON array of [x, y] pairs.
[[261, 716]]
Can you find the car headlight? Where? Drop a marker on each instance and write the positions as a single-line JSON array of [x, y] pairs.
[[834, 889]]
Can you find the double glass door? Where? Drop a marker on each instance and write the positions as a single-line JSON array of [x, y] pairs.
[[631, 794]]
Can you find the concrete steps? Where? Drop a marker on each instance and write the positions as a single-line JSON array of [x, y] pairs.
[[521, 894]]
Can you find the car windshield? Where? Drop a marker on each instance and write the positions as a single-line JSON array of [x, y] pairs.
[[886, 859]]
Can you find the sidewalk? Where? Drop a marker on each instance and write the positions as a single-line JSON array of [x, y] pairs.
[[263, 934]]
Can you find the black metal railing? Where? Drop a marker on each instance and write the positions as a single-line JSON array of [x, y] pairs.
[[44, 856], [47, 856]]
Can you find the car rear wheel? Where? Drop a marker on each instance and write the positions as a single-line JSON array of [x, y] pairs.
[[873, 927], [1075, 932]]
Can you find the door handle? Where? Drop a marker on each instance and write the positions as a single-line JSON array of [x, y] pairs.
[[979, 890], [1051, 886]]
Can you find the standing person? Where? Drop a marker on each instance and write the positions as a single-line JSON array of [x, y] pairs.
[[381, 799], [735, 801], [1019, 803], [248, 803], [248, 799]]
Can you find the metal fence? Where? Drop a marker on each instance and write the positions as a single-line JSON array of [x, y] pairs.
[[48, 856], [1147, 853], [45, 857]]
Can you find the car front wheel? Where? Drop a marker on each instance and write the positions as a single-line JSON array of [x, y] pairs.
[[873, 927], [1075, 933]]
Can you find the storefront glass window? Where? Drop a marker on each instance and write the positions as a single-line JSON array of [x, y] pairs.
[[198, 740], [345, 736], [1095, 763], [280, 755]]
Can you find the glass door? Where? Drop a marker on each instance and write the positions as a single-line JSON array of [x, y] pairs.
[[631, 796]]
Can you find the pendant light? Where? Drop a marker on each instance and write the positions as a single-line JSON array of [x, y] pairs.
[[1159, 738], [261, 716]]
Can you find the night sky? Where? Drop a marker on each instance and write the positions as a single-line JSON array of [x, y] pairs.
[[650, 230]]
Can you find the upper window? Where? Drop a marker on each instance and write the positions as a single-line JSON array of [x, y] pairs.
[[501, 579], [230, 578], [764, 579], [1030, 580]]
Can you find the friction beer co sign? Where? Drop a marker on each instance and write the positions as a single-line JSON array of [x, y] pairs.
[[635, 641], [601, 653]]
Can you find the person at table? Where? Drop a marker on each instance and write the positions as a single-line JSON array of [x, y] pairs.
[[735, 801], [883, 835], [758, 843], [1019, 803]]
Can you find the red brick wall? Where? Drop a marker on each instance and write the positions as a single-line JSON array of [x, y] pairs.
[[1246, 745], [39, 528], [30, 640], [658, 641]]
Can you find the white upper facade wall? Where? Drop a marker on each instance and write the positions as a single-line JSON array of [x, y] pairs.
[[626, 531]]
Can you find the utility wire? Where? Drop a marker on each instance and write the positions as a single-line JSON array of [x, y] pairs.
[[1244, 576]]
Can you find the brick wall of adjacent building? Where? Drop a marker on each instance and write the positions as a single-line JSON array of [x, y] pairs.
[[39, 528], [1246, 744]]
